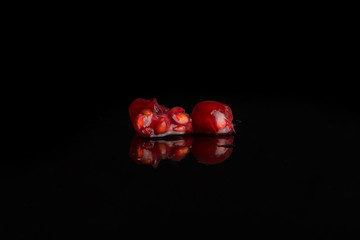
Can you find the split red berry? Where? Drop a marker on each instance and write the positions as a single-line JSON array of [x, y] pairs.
[[211, 117], [151, 119]]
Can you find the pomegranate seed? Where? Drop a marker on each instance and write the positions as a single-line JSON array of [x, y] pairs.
[[181, 118], [161, 127], [179, 129], [139, 121], [146, 112]]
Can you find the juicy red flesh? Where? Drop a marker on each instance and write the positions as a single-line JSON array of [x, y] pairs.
[[151, 119], [211, 117]]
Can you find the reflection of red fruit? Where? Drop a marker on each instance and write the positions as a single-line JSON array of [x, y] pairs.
[[151, 151], [206, 149], [179, 153], [211, 117], [142, 152], [212, 150]]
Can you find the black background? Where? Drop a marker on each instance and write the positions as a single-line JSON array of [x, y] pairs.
[[288, 80]]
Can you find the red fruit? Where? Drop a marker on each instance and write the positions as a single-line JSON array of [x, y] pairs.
[[151, 119], [211, 117]]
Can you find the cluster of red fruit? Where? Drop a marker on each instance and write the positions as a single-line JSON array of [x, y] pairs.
[[151, 119]]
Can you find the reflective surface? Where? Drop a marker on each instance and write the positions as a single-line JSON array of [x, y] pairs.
[[291, 164], [206, 149]]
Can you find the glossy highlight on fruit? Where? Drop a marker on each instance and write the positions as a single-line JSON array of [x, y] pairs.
[[151, 119], [211, 117]]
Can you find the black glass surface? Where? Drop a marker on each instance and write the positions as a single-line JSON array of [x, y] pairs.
[[291, 163], [290, 169]]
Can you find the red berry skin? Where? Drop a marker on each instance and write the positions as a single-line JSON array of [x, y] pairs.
[[211, 117], [140, 104]]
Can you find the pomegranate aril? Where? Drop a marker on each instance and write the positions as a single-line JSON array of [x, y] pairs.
[[139, 122], [181, 118], [161, 127], [179, 129], [146, 112]]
